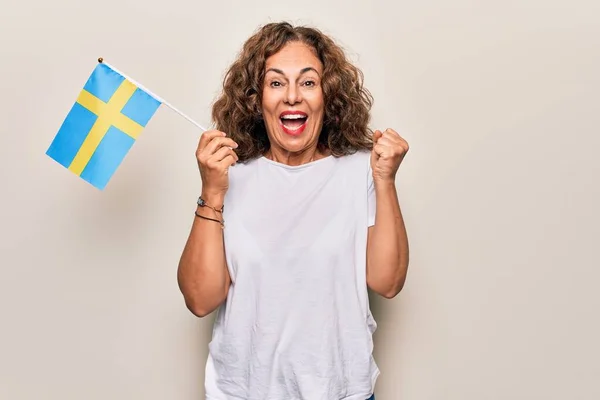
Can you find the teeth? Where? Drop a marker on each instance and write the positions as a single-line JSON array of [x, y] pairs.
[[293, 117]]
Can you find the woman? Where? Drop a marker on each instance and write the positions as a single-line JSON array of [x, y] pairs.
[[298, 215]]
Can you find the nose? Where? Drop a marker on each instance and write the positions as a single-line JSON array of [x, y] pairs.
[[293, 95]]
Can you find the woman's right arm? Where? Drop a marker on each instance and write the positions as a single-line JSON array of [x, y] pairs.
[[202, 273]]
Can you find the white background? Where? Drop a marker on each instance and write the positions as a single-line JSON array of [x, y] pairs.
[[500, 191]]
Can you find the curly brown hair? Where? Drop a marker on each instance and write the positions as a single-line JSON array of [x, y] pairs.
[[347, 103]]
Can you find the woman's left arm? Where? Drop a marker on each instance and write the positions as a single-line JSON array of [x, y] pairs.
[[387, 242]]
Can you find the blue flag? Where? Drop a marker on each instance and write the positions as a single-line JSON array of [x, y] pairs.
[[108, 116]]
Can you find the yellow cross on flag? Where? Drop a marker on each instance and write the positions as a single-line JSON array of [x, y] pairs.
[[108, 116]]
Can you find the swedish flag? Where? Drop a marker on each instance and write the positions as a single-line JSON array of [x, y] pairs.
[[110, 113]]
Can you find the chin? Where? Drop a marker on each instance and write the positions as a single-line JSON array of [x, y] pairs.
[[291, 146], [296, 143]]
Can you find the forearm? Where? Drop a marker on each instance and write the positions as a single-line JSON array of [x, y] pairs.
[[202, 274], [387, 248]]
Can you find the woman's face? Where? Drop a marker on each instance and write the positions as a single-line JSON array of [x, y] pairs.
[[292, 103]]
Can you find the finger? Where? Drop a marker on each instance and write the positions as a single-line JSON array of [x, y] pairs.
[[380, 150], [395, 139], [393, 135], [386, 141], [207, 137], [218, 143], [221, 154], [228, 161], [377, 135], [390, 134], [391, 149]]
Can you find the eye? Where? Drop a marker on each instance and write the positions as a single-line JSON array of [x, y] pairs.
[[309, 83], [275, 84]]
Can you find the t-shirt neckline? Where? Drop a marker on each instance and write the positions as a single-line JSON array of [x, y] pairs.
[[294, 167]]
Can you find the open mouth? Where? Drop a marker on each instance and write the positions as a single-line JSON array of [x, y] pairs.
[[293, 122]]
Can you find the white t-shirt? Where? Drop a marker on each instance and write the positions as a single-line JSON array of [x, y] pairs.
[[296, 324]]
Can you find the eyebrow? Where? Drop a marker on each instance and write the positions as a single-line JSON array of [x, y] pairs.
[[302, 71]]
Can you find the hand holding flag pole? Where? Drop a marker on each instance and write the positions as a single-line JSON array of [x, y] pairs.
[[109, 114]]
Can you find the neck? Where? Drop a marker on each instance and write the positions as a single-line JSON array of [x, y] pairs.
[[295, 158]]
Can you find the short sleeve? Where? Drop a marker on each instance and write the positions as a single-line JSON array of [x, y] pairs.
[[371, 201]]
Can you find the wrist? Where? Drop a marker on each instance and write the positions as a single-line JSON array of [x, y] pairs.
[[384, 184], [213, 199]]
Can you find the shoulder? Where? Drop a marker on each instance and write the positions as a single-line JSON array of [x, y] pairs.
[[356, 155], [243, 167], [359, 161]]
